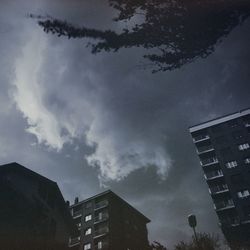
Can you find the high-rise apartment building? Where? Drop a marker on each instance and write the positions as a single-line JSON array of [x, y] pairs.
[[223, 146], [106, 221]]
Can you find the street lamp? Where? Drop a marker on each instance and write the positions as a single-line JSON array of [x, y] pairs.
[[192, 223]]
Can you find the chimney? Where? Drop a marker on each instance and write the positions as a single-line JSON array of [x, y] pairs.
[[76, 200]]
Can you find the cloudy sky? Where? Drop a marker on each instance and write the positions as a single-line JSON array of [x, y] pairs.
[[92, 122]]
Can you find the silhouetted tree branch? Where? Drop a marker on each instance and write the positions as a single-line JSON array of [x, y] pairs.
[[182, 30], [157, 246], [204, 242]]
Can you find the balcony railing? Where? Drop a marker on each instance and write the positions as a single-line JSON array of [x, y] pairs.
[[101, 231], [101, 204], [101, 218], [218, 189], [74, 241], [224, 205], [209, 161], [205, 149], [200, 138], [213, 175], [234, 221], [77, 213]]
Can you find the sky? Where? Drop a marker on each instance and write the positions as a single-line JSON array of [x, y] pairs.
[[97, 122]]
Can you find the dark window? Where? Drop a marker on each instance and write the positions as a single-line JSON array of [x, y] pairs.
[[77, 210], [237, 135], [246, 210], [88, 205], [233, 123], [220, 139], [246, 118]]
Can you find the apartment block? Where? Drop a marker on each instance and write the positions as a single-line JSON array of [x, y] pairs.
[[106, 221]]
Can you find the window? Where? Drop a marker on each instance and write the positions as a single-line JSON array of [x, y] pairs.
[[247, 124], [88, 205], [233, 123], [247, 160], [88, 217], [247, 211], [87, 246], [79, 225], [231, 164], [237, 135], [99, 245], [243, 146], [77, 211], [100, 216], [243, 193], [88, 231]]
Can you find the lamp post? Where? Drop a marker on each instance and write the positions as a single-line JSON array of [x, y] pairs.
[[193, 223]]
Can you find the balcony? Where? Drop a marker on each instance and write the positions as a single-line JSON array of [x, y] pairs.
[[77, 214], [101, 204], [101, 218], [213, 175], [101, 232], [74, 241], [209, 161], [102, 245], [218, 189], [200, 138], [79, 225], [204, 149], [230, 222], [223, 205]]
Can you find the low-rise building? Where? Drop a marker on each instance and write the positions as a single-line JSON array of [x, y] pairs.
[[106, 221]]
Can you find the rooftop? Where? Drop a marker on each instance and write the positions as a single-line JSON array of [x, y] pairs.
[[219, 120], [113, 194]]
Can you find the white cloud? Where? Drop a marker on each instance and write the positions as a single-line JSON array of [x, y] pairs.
[[30, 92], [57, 112], [119, 152]]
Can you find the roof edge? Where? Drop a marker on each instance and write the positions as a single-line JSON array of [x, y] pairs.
[[219, 120]]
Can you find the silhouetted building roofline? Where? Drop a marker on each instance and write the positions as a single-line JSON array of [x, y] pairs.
[[113, 194], [16, 167]]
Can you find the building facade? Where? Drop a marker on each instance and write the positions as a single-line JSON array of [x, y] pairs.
[[223, 147], [33, 213], [106, 221]]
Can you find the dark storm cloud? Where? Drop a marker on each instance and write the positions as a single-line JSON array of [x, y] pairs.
[[133, 125]]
